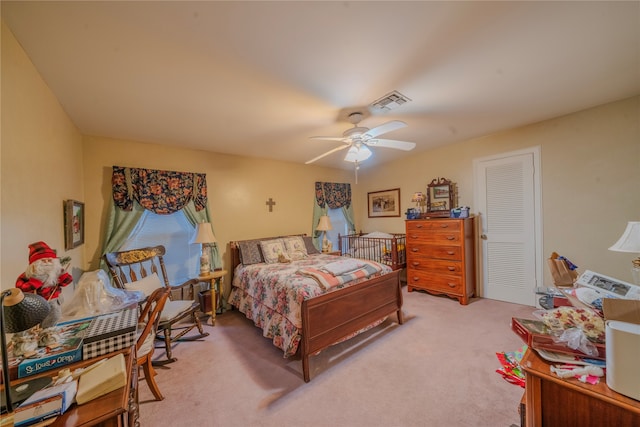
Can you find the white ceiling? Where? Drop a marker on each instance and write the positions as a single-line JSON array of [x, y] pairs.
[[260, 78]]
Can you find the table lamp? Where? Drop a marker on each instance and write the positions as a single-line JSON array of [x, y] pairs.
[[418, 198], [19, 312], [324, 225], [630, 242], [204, 236]]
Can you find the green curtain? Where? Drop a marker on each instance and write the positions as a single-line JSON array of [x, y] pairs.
[[331, 195]]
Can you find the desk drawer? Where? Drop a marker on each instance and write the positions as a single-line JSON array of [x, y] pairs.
[[433, 225], [435, 237]]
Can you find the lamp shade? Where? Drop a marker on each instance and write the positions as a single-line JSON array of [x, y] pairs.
[[23, 311], [358, 154], [203, 234], [417, 197], [630, 239], [324, 224]]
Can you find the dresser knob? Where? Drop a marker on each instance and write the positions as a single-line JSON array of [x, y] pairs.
[[451, 268], [415, 264], [451, 237], [450, 252], [444, 225], [451, 285], [414, 249]]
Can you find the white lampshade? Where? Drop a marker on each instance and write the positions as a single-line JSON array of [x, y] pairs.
[[324, 224], [203, 234], [630, 239], [358, 154]]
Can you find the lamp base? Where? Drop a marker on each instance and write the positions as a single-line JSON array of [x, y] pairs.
[[22, 392]]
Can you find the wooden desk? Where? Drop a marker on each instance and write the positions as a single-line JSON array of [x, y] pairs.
[[214, 279], [118, 408], [553, 401]]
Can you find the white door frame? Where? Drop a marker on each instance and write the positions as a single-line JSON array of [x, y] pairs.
[[537, 196]]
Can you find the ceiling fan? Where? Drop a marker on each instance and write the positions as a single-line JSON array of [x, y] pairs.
[[359, 139]]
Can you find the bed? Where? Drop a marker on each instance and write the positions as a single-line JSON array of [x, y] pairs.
[[385, 248], [298, 305]]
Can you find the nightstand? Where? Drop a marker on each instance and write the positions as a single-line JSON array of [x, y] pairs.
[[214, 279], [336, 253]]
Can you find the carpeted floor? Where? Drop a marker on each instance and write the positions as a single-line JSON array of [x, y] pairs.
[[438, 369]]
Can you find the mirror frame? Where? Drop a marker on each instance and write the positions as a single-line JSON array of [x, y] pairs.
[[441, 195]]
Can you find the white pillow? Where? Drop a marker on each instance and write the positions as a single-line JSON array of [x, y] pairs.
[[145, 285], [271, 250], [296, 249]]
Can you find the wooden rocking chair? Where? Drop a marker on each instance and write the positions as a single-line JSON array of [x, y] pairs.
[[147, 330], [143, 270]]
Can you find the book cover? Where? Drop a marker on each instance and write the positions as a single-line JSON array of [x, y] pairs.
[[46, 403], [67, 350], [102, 379]]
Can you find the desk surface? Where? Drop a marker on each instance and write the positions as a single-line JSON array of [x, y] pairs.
[[104, 410]]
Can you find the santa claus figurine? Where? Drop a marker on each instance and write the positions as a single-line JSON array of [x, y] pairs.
[[45, 276]]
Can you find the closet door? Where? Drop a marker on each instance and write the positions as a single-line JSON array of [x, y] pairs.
[[508, 198]]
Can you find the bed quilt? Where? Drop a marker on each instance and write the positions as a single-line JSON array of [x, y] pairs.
[[271, 294]]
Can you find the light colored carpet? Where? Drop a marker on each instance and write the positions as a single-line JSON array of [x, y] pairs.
[[438, 369]]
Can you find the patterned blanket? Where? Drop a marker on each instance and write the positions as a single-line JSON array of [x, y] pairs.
[[328, 280]]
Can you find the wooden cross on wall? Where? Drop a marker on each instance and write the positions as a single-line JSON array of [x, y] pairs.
[[270, 203]]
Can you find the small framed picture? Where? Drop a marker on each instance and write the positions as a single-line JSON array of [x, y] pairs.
[[384, 203], [73, 224], [441, 192]]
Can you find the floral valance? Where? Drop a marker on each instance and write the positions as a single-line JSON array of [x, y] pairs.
[[161, 192], [333, 194]]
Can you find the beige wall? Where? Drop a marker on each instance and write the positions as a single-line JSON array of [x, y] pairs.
[[590, 181], [238, 188], [590, 176], [41, 165]]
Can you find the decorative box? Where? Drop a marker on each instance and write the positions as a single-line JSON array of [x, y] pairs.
[[538, 336], [68, 350], [110, 332]]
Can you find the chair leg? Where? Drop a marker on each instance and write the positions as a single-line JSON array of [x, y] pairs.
[[149, 374], [198, 323]]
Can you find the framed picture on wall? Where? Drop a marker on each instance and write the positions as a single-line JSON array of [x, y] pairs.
[[384, 203], [73, 224]]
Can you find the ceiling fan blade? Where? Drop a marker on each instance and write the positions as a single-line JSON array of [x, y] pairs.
[[328, 138], [384, 128], [342, 147], [391, 143]]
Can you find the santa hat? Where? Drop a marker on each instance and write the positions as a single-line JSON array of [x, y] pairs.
[[40, 250]]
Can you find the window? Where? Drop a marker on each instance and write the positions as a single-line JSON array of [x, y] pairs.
[[173, 232], [339, 226]]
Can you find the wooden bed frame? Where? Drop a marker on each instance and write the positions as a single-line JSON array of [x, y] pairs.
[[330, 317]]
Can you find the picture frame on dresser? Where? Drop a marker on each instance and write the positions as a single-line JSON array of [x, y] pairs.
[[385, 203], [441, 194]]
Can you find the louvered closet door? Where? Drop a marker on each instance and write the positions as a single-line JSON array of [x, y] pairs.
[[507, 202]]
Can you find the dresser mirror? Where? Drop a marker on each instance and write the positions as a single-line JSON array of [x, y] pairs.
[[441, 195]]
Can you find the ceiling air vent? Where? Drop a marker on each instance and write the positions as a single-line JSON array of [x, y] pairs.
[[390, 101]]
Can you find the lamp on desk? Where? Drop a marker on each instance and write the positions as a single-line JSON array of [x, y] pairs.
[[324, 225], [630, 242], [204, 236], [19, 312]]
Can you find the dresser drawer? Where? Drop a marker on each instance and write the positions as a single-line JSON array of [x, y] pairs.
[[433, 225], [435, 265], [433, 251], [435, 282], [435, 237]]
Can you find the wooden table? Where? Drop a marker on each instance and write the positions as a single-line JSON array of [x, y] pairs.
[[214, 279], [553, 401], [116, 409]]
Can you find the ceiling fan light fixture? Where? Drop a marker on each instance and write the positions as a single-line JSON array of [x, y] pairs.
[[357, 154]]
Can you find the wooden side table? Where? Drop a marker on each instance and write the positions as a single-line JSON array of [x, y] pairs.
[[215, 280]]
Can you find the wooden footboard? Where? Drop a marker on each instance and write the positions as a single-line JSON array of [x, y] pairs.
[[330, 317]]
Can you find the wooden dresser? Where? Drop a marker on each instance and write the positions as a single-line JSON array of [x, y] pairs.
[[441, 256]]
